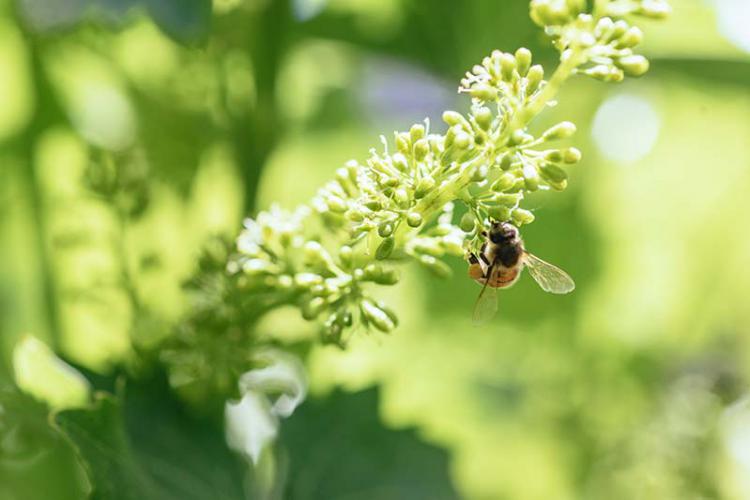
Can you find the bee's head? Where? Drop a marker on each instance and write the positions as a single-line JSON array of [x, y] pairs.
[[503, 232]]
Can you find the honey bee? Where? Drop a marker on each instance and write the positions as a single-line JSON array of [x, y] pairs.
[[499, 265]]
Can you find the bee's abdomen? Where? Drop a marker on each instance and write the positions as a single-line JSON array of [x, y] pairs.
[[504, 278]]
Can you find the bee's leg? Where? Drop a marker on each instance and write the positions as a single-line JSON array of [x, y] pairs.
[[473, 259], [482, 254]]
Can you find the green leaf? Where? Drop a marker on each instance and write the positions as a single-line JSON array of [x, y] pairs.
[[337, 448], [35, 461], [151, 449]]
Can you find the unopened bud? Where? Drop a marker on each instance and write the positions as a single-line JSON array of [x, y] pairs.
[[312, 308], [523, 60], [385, 229], [373, 314], [504, 182], [635, 65], [416, 132], [403, 144], [453, 118], [553, 173], [377, 273], [521, 217], [480, 173], [534, 78], [499, 212], [414, 219], [562, 130], [424, 186], [468, 223], [483, 116], [336, 204], [571, 155], [385, 248], [421, 149], [507, 66], [463, 140], [531, 177], [632, 37], [484, 92]]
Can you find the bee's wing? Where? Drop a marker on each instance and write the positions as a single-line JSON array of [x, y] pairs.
[[485, 307], [551, 278]]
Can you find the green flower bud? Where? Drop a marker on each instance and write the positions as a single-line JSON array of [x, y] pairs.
[[635, 65], [385, 229], [518, 185], [316, 254], [400, 162], [507, 199], [336, 204], [307, 280], [373, 314], [355, 215], [553, 173], [558, 186], [562, 130], [453, 118], [506, 162], [483, 92], [504, 182], [463, 140], [521, 217], [603, 29], [391, 182], [520, 137], [421, 149], [554, 155], [255, 267], [385, 248], [402, 197], [312, 308], [416, 132], [438, 267], [375, 205], [507, 66], [619, 29], [534, 78], [424, 186], [531, 177], [655, 9], [571, 155], [413, 219], [483, 116], [346, 255], [390, 312], [480, 173], [468, 223], [605, 73], [499, 213], [403, 144], [632, 37], [381, 275], [523, 60]]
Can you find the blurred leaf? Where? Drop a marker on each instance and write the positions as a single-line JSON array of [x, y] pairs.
[[151, 449], [186, 21], [45, 376], [339, 449], [30, 449]]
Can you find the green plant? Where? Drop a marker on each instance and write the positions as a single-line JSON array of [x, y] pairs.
[[399, 204]]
